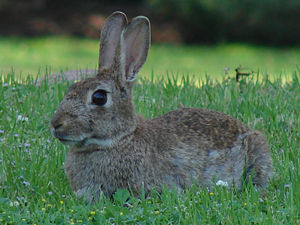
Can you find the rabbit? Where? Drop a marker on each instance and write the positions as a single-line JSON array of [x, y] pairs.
[[111, 147]]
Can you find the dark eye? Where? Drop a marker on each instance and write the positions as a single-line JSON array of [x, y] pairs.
[[99, 97]]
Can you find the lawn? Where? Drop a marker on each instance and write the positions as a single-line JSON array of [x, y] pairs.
[[35, 56], [35, 190]]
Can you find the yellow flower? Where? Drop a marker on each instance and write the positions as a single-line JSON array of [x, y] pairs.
[[245, 203], [79, 221], [48, 205], [43, 209], [72, 210], [4, 212], [156, 211], [72, 222], [121, 213], [211, 193], [90, 218], [93, 213], [61, 202], [43, 200], [23, 219]]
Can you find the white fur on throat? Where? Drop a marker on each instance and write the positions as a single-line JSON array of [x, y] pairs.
[[109, 142]]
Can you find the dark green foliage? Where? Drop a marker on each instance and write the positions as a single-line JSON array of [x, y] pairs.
[[20, 5], [268, 21]]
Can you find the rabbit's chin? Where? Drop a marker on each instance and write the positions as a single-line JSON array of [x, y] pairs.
[[85, 142], [70, 142], [80, 141]]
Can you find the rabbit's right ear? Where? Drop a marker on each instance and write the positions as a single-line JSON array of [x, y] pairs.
[[135, 44], [110, 39]]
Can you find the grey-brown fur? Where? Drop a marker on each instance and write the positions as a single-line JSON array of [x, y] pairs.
[[112, 147]]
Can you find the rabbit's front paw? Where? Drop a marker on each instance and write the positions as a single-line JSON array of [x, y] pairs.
[[86, 194]]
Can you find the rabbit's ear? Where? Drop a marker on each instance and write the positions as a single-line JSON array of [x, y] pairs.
[[135, 43], [110, 39]]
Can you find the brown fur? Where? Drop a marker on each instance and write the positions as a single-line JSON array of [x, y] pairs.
[[112, 147]]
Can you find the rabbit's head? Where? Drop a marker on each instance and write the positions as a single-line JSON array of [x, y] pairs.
[[100, 110]]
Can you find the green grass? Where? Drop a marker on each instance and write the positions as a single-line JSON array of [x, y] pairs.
[[33, 56], [35, 190]]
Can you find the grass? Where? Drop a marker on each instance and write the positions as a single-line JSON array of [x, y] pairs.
[[36, 55], [35, 190]]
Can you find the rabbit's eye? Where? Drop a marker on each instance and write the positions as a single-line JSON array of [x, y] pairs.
[[99, 97]]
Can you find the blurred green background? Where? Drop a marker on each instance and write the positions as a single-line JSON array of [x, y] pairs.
[[36, 55], [195, 37]]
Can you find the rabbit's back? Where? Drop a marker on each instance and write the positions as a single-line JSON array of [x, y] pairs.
[[201, 128]]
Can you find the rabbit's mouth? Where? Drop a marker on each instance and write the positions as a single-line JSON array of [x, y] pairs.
[[66, 139]]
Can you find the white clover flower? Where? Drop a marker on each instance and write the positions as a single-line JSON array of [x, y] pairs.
[[22, 118], [26, 183], [1, 131], [21, 199], [15, 203], [5, 85], [26, 144], [222, 183]]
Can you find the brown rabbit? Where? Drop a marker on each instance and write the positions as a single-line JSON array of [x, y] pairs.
[[112, 147]]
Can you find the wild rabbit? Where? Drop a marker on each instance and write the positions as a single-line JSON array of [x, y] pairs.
[[112, 147]]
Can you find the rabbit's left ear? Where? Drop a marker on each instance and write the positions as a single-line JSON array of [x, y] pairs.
[[110, 39], [135, 43]]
